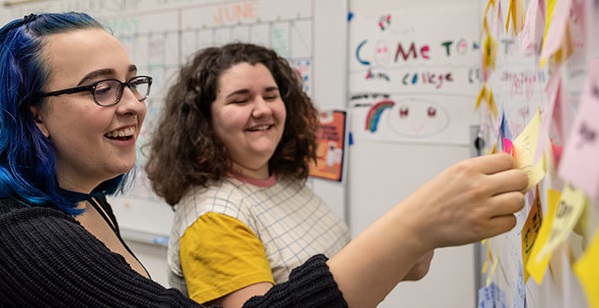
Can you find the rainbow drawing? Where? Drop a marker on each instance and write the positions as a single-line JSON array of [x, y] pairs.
[[374, 114]]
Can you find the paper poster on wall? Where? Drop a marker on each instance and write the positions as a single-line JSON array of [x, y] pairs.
[[412, 81], [331, 145]]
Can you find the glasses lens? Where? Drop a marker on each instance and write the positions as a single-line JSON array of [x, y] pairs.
[[107, 92], [140, 86]]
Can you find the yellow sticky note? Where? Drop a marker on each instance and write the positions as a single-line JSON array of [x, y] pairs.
[[586, 268], [494, 264], [489, 53], [488, 259], [536, 268], [569, 210], [517, 15], [480, 97], [525, 147], [490, 4], [530, 231], [486, 94]]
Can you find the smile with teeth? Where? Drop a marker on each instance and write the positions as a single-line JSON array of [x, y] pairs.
[[259, 128], [121, 133]]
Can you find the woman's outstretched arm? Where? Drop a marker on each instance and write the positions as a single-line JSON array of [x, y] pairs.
[[470, 201]]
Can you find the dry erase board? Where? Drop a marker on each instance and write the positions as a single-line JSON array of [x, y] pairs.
[[412, 69], [160, 35], [539, 101]]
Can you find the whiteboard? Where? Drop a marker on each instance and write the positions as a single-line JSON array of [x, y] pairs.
[[160, 35], [387, 161]]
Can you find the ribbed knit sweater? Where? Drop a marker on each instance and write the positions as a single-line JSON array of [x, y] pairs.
[[47, 259]]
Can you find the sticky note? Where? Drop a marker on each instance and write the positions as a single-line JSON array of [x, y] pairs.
[[516, 16], [579, 161], [524, 149], [536, 266], [530, 230], [586, 269], [569, 210]]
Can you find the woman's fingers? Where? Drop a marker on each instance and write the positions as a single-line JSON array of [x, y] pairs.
[[500, 224], [508, 180], [505, 204], [493, 163]]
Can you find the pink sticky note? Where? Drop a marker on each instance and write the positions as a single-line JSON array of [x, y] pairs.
[[563, 116], [532, 34], [557, 153], [579, 161], [553, 90], [508, 146], [557, 30], [498, 29]]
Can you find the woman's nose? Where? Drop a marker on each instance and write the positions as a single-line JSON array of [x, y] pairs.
[[260, 108]]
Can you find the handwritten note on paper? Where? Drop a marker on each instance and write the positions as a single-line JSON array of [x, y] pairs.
[[491, 296], [586, 268], [536, 267], [524, 149], [579, 162], [569, 210], [530, 230]]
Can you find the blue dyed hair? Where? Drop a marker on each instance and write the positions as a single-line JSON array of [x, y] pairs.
[[27, 157]]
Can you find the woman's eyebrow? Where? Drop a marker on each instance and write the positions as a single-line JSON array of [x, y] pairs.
[[102, 72]]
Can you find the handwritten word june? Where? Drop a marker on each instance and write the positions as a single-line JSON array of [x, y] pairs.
[[235, 13]]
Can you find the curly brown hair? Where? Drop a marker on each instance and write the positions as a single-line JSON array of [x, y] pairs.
[[185, 152]]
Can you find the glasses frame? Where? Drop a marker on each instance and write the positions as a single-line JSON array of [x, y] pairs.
[[92, 88]]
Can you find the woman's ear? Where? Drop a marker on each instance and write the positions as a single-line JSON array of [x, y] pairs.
[[38, 118]]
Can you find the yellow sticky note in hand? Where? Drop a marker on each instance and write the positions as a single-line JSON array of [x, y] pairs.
[[525, 148]]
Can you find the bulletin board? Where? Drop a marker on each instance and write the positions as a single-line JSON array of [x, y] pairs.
[[539, 101], [160, 35]]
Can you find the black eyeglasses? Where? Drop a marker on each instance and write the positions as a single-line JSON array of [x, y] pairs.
[[109, 92]]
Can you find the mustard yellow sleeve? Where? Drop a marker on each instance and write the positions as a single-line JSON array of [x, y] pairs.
[[219, 255]]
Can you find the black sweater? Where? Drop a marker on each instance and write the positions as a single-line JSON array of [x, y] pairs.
[[47, 259]]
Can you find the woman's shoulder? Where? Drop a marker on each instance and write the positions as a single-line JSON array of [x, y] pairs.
[[15, 214], [229, 196]]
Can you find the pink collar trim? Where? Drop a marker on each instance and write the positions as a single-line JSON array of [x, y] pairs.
[[268, 182]]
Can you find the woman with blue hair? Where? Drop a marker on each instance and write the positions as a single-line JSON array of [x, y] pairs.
[[71, 108]]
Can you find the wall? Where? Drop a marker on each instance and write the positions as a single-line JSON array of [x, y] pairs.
[[543, 74], [389, 163]]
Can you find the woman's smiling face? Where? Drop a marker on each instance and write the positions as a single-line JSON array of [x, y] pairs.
[[248, 116], [85, 134]]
